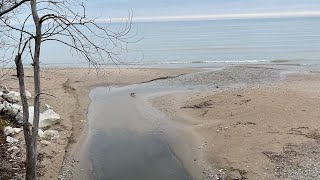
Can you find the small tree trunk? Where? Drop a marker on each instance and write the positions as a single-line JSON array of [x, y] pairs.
[[30, 148]]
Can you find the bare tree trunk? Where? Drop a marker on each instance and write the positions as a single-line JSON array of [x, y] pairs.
[[32, 148], [26, 126]]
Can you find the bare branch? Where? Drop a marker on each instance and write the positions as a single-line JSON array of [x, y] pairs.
[[14, 6]]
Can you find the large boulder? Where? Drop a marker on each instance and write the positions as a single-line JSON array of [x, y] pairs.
[[47, 118]]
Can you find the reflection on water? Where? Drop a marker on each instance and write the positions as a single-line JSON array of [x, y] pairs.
[[128, 156], [123, 143]]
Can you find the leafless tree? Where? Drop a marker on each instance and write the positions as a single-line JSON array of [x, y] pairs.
[[60, 21]]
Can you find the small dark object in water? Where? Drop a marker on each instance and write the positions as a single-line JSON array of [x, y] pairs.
[[133, 94]]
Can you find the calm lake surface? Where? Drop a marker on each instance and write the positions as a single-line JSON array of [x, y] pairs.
[[285, 40]]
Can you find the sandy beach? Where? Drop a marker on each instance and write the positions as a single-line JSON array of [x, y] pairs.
[[68, 91], [265, 130], [242, 122]]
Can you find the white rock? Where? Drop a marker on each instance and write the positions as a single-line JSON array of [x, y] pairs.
[[47, 118], [48, 106], [17, 130], [16, 106], [14, 93], [11, 108], [45, 142], [8, 130], [28, 94], [50, 135], [11, 140], [13, 148], [40, 133], [12, 96]]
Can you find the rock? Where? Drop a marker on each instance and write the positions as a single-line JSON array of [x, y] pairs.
[[8, 130], [12, 110], [40, 133], [47, 118], [50, 135], [48, 106], [11, 140], [4, 89], [13, 148], [12, 97], [28, 94], [19, 117], [17, 130], [45, 142], [2, 106]]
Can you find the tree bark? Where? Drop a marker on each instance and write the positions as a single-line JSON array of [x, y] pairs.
[[31, 171], [32, 150]]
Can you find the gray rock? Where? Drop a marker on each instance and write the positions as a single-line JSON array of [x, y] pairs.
[[19, 117]]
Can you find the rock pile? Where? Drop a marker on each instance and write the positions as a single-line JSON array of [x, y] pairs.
[[12, 145], [12, 110]]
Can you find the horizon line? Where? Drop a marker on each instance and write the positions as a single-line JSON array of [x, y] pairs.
[[215, 17]]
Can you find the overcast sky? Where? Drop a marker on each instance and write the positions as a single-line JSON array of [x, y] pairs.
[[156, 8]]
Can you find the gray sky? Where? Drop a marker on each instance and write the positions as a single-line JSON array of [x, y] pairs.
[[160, 8]]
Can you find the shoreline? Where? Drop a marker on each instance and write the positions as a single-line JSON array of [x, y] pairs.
[[199, 124], [244, 135], [72, 86]]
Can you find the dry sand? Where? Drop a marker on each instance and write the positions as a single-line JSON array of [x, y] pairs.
[[263, 131], [69, 89]]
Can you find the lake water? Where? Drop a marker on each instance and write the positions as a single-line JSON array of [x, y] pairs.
[[285, 40], [125, 142]]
